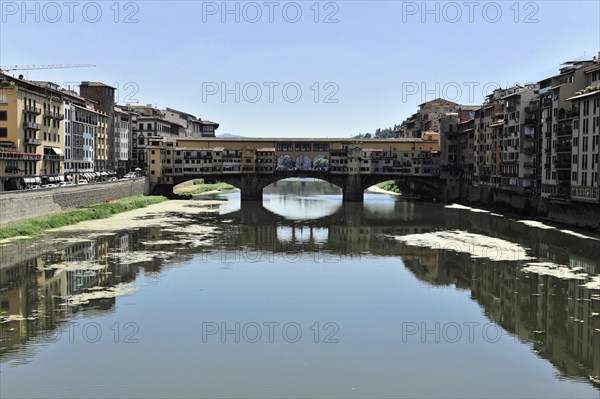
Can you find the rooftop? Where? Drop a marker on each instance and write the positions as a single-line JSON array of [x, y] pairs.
[[95, 84]]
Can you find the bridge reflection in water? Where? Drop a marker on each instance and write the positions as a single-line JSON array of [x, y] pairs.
[[558, 317]]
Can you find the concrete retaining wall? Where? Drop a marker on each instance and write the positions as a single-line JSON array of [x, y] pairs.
[[573, 213], [21, 205]]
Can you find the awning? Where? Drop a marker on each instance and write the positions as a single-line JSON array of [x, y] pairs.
[[37, 180], [57, 151], [70, 177], [97, 173], [28, 180], [104, 174], [61, 178]]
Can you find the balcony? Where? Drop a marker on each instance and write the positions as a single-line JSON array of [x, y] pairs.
[[32, 110], [529, 150], [564, 131], [568, 114], [546, 102], [529, 165], [54, 115], [19, 156], [32, 125], [33, 142], [532, 109], [531, 121], [563, 178], [562, 164], [562, 148], [54, 158], [339, 153]]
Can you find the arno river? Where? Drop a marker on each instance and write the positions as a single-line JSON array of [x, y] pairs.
[[302, 296]]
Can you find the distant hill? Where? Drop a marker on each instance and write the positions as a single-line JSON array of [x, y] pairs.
[[388, 133], [230, 136]]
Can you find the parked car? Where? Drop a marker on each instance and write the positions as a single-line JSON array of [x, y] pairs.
[[65, 184], [32, 187], [83, 181], [113, 179]]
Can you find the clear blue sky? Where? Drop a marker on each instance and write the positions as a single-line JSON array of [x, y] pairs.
[[379, 60]]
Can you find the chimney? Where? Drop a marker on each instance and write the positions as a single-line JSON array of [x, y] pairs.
[[21, 77]]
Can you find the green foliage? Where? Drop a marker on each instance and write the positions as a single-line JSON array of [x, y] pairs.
[[387, 133], [7, 84], [201, 188], [100, 211], [588, 90], [389, 185]]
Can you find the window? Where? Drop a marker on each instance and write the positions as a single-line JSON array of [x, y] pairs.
[[3, 132], [3, 115]]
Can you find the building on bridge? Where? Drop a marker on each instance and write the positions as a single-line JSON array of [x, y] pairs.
[[252, 164]]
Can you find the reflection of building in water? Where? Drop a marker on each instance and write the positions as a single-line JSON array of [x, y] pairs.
[[554, 314], [436, 267], [34, 294], [584, 310], [15, 299]]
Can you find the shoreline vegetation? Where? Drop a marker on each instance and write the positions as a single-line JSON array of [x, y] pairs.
[[200, 188], [36, 226], [387, 187]]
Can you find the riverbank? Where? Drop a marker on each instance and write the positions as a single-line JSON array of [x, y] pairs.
[[204, 188], [378, 190], [38, 225], [387, 187]]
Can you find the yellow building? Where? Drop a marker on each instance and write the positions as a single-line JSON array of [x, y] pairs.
[[31, 124]]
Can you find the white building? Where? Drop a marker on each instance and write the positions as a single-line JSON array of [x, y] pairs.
[[122, 133], [81, 121]]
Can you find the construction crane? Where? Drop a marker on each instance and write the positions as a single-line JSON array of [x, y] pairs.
[[8, 68]]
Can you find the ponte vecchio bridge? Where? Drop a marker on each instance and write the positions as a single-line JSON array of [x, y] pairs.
[[251, 164]]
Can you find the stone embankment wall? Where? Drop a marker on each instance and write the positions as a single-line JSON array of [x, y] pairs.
[[579, 214], [20, 205]]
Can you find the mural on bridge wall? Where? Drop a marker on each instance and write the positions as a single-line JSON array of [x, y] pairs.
[[321, 163], [285, 162], [303, 163]]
